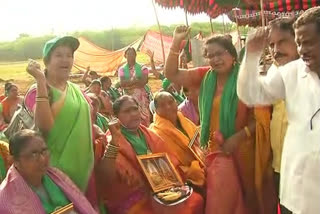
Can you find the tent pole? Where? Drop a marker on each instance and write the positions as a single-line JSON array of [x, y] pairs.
[[238, 30], [212, 26], [224, 24], [262, 14], [186, 16], [263, 25], [161, 39]]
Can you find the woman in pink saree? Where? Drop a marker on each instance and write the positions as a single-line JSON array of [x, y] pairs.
[[31, 186], [133, 79], [121, 181]]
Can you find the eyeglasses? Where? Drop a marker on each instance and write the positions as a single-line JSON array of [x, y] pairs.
[[313, 117], [36, 155], [218, 54]]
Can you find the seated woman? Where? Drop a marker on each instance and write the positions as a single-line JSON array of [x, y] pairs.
[[31, 186], [106, 104], [106, 85], [11, 102], [177, 132], [97, 118], [5, 160], [122, 183]]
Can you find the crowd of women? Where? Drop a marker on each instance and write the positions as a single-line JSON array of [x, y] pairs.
[[243, 139]]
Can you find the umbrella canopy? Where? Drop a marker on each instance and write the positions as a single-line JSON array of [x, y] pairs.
[[272, 9], [213, 8]]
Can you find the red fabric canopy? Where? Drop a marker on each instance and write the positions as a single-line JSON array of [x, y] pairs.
[[152, 42]]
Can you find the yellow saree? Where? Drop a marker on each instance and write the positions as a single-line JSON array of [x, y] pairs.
[[190, 158]]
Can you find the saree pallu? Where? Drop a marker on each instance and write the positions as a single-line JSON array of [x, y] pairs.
[[16, 197], [189, 111], [264, 182], [128, 192], [70, 139], [8, 109], [235, 170]]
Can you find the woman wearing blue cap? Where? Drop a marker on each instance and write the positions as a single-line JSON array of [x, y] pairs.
[[62, 112]]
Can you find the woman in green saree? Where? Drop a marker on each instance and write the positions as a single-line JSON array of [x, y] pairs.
[[227, 125], [62, 112]]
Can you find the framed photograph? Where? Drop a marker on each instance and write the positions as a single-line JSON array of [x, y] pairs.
[[68, 209], [159, 171]]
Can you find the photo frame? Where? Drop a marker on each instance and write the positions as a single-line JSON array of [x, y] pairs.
[[159, 171], [68, 209]]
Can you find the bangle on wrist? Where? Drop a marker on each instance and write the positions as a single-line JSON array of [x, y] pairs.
[[44, 97], [248, 133], [111, 152], [41, 99]]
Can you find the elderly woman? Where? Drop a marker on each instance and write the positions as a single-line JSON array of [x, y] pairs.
[[62, 112], [227, 128], [31, 186], [123, 185], [11, 102], [106, 105], [178, 132], [106, 85], [133, 79]]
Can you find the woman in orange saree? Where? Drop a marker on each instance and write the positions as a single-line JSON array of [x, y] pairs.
[[121, 181], [227, 125]]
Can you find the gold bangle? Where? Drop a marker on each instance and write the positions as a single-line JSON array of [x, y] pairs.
[[109, 156], [113, 146], [41, 100], [44, 97], [248, 133]]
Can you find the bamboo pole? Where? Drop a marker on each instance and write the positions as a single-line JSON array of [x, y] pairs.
[[212, 26], [263, 25], [238, 30], [186, 16], [262, 14], [161, 39], [224, 24]]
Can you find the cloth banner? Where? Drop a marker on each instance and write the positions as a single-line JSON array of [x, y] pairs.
[[152, 41], [99, 59]]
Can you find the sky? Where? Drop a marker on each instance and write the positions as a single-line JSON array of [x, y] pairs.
[[39, 17]]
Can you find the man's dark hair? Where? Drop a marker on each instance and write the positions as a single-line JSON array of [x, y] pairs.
[[283, 24], [311, 16]]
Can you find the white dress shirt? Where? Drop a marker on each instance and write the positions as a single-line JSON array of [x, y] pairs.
[[300, 163]]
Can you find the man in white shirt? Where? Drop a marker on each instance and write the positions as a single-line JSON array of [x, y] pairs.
[[298, 84], [283, 50]]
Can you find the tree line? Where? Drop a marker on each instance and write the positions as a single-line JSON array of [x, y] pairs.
[[26, 46]]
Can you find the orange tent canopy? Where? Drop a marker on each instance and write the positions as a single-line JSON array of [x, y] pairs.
[[99, 59]]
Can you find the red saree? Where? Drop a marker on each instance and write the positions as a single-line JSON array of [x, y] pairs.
[[129, 192]]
